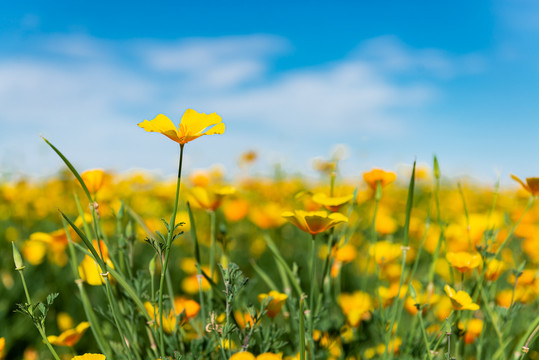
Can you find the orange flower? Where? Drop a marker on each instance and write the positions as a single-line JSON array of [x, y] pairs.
[[189, 308], [375, 176], [472, 329], [192, 126], [276, 304], [235, 210], [93, 179], [314, 222], [531, 186], [69, 337], [243, 319], [463, 261]]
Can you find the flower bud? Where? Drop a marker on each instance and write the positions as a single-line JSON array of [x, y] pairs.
[[151, 266], [17, 258]]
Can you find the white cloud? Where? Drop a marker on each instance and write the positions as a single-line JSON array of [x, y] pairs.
[[79, 89], [388, 53]]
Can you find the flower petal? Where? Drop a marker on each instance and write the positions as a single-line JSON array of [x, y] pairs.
[[161, 124], [520, 182], [195, 123]]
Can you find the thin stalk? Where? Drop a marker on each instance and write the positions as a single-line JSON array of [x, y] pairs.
[[39, 327], [212, 252], [196, 251], [90, 315], [311, 294], [171, 227], [440, 222], [301, 330], [397, 305], [461, 192], [424, 332]]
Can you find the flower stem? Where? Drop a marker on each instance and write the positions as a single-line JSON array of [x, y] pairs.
[[171, 227], [311, 296], [39, 327], [301, 330]]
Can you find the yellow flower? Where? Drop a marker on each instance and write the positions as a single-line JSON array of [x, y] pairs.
[[267, 216], [192, 126], [2, 347], [248, 158], [89, 357], [169, 321], [269, 356], [235, 210], [93, 179], [356, 306], [242, 319], [375, 176], [210, 199], [385, 252], [276, 304], [314, 222], [472, 329], [460, 300], [463, 261], [242, 355], [531, 186], [69, 337], [90, 271], [494, 269], [188, 307], [246, 355], [65, 321], [331, 203]]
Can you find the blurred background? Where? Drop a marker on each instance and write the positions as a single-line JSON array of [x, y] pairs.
[[390, 81]]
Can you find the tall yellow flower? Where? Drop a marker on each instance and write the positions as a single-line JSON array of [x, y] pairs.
[[314, 222], [531, 186], [192, 126]]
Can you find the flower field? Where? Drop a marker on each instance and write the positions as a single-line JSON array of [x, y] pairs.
[[411, 265]]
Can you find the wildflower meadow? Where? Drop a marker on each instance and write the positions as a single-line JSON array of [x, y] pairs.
[[409, 265]]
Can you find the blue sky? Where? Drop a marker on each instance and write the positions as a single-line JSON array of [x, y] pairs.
[[393, 81]]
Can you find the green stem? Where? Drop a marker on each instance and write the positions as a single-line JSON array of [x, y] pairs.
[[39, 327], [94, 325], [424, 332], [170, 236], [301, 330], [311, 296], [212, 253]]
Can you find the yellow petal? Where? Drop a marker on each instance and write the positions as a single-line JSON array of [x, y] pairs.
[[218, 129], [90, 271], [89, 357], [520, 182], [163, 125], [195, 123]]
